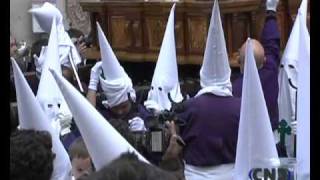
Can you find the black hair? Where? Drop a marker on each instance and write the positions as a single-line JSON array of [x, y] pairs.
[[128, 166], [31, 156], [36, 49], [74, 33], [14, 121]]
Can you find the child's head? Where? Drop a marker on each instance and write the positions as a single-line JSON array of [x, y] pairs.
[[80, 159]]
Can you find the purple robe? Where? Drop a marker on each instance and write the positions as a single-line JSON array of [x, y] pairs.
[[211, 129], [68, 139], [270, 40]]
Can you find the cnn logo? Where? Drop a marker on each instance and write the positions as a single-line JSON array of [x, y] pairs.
[[271, 174]]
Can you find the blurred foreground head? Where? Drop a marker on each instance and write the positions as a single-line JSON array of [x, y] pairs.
[[128, 166], [31, 155]]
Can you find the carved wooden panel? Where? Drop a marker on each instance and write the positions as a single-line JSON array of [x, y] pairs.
[[240, 30], [155, 27], [136, 28], [137, 33], [197, 33], [120, 30], [96, 17], [283, 28], [179, 35]]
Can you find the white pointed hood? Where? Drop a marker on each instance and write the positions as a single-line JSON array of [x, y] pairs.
[[286, 107], [290, 54], [215, 70], [116, 84], [44, 16], [288, 75], [48, 91], [165, 78], [303, 106], [32, 117], [256, 146], [104, 143]]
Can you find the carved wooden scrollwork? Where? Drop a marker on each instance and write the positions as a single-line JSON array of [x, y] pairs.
[[77, 18]]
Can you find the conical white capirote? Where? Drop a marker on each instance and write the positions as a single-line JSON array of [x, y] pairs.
[[104, 143], [31, 116], [45, 14], [256, 146], [165, 77], [116, 84], [48, 92], [286, 107], [215, 70], [303, 105], [288, 75], [303, 10], [110, 64]]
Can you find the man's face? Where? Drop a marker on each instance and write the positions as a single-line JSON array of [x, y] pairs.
[[13, 46], [122, 109], [67, 73], [81, 167]]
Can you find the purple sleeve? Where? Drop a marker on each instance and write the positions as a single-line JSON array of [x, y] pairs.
[[270, 39], [186, 115], [143, 113]]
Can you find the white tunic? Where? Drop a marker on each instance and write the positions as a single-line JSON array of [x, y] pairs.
[[221, 172]]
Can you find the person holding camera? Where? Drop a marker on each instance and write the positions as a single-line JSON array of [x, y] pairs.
[[118, 103], [117, 88]]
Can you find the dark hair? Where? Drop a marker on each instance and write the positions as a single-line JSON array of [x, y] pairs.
[[37, 46], [128, 166], [74, 33], [14, 121], [36, 49], [31, 156], [78, 149]]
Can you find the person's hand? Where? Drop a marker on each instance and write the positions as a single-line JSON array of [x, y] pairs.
[[294, 127], [38, 61], [136, 124], [271, 5], [64, 117], [81, 46], [94, 76], [65, 123], [176, 143]]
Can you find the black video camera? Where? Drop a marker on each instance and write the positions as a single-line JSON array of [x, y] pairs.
[[158, 138], [87, 40]]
